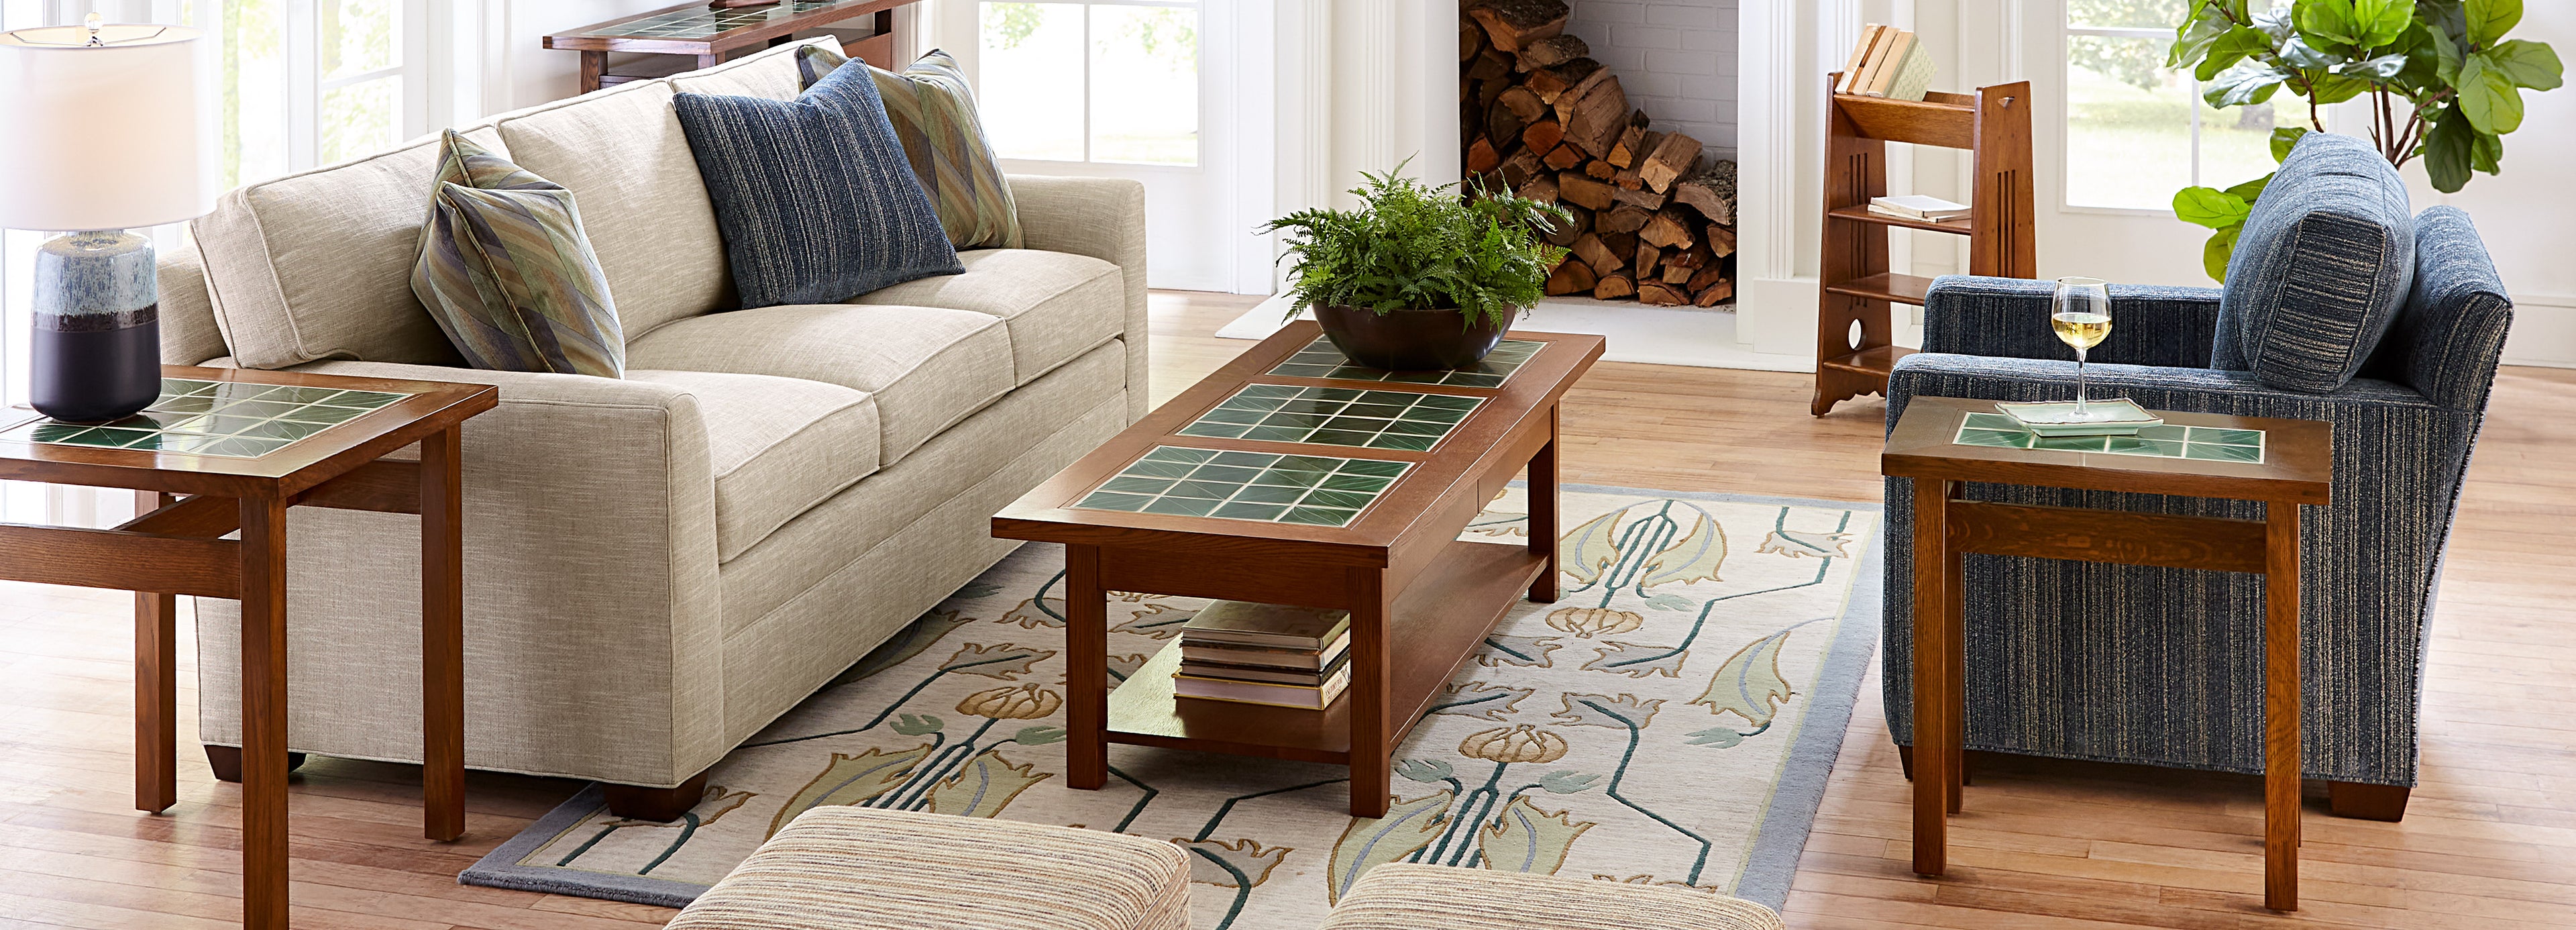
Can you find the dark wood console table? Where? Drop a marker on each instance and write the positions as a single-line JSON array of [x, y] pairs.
[[702, 36], [226, 450]]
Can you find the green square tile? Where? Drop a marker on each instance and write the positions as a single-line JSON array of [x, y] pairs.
[[2229, 437], [1412, 428], [1319, 517], [1355, 425], [1251, 511], [241, 448], [1295, 420], [1270, 494], [2167, 432], [179, 443], [107, 436], [1995, 438], [191, 404], [1289, 478], [304, 395], [365, 399], [174, 387], [56, 432], [1339, 438], [1135, 485], [1394, 441], [1991, 421], [1313, 463], [1149, 468], [152, 420], [1448, 402], [2072, 443], [1353, 500], [1230, 474], [2216, 453], [1357, 483], [325, 415], [1210, 490], [1295, 369], [1218, 430], [1275, 433], [1470, 379], [1334, 393], [1226, 415], [259, 408], [1414, 377], [1377, 411], [282, 429], [1179, 454], [1434, 415], [1269, 390], [1251, 403], [1310, 405], [2131, 445], [1104, 500], [1181, 506], [1374, 467], [1389, 398], [1246, 459]]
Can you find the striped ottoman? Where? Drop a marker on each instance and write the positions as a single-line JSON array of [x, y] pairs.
[[1401, 896], [850, 868]]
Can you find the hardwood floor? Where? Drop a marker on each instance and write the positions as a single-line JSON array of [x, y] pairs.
[[2489, 842]]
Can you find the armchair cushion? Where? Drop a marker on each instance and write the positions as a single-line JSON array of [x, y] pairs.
[[2320, 268]]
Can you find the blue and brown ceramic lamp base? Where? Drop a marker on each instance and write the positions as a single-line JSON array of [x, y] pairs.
[[95, 354]]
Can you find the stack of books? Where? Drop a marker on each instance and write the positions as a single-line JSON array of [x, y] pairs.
[[1919, 207], [1889, 62], [1265, 654]]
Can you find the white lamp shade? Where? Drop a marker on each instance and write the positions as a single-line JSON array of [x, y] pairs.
[[99, 137]]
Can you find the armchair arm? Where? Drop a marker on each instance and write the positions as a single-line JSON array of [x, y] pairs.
[[1103, 218], [2005, 318]]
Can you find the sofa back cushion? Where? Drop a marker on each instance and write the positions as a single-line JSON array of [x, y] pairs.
[[2320, 269], [317, 265]]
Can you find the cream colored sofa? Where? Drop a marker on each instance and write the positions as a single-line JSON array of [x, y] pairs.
[[658, 566]]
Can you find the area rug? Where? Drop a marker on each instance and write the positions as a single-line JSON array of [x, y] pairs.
[[1671, 721]]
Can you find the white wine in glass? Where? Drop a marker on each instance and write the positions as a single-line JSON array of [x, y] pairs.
[[2081, 317]]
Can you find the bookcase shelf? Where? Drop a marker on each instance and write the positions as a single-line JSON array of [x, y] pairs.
[[1993, 125]]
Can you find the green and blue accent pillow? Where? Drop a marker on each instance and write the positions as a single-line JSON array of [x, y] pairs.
[[507, 272], [933, 112], [814, 196]]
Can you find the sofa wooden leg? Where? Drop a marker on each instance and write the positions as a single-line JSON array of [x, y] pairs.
[[2367, 802], [660, 805], [226, 761]]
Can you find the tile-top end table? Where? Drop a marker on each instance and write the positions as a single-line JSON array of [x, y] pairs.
[[224, 450], [1941, 443]]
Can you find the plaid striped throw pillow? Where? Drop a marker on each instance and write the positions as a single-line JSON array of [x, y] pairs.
[[933, 112], [507, 272]]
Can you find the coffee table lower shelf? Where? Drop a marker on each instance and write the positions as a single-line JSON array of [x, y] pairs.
[[1436, 626]]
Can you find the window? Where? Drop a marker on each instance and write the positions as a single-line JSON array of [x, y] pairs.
[[2137, 132], [1095, 82], [301, 83]]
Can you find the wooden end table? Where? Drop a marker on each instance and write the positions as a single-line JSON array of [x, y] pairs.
[[227, 450], [1941, 443], [701, 36], [1292, 477]]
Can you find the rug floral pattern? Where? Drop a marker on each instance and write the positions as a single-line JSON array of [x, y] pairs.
[[1634, 731]]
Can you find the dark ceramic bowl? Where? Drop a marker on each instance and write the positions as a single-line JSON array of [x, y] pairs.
[[1408, 340]]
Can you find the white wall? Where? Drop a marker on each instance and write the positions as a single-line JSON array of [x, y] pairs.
[[2527, 215], [1675, 59]]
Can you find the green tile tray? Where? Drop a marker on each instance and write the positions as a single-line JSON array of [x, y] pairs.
[[1335, 416], [1320, 360], [2203, 443], [1313, 490], [226, 419]]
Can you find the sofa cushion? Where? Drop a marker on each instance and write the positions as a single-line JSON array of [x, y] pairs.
[[777, 446], [926, 367], [318, 265], [1057, 306], [813, 194], [2320, 269], [933, 110], [621, 153], [771, 73], [506, 271]]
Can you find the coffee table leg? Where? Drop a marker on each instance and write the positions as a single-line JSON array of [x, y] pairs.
[[1086, 669], [1542, 514], [2281, 765], [442, 636], [263, 713], [156, 688], [1368, 692], [1933, 603]]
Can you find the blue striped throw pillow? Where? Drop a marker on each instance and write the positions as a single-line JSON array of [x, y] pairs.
[[814, 196]]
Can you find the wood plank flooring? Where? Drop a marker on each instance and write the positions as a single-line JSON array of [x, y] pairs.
[[2489, 843]]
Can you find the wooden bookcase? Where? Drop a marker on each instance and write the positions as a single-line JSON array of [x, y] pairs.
[[1994, 125]]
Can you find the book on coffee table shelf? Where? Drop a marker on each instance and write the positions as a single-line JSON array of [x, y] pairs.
[[1265, 654], [1278, 626], [1302, 696], [1270, 657]]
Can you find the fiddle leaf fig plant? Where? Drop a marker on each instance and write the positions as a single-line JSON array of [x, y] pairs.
[[1411, 245], [2444, 84]]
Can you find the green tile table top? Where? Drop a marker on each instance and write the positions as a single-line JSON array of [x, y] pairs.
[[2170, 441], [227, 419], [1408, 420], [1320, 360], [1313, 490], [706, 23]]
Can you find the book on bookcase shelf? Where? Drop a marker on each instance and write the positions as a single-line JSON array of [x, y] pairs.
[[1920, 207], [1888, 62]]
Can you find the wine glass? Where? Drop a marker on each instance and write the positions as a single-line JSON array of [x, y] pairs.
[[2081, 317]]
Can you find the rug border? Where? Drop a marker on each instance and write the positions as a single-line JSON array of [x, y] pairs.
[[1770, 863]]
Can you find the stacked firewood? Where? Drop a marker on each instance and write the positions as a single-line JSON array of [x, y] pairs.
[[1653, 220]]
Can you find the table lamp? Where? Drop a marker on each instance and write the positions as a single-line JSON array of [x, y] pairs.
[[102, 128]]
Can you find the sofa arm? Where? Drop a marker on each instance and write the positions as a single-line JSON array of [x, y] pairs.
[[590, 580], [1103, 218], [2008, 318]]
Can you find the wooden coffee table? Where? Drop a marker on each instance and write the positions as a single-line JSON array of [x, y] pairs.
[[224, 451], [1291, 477], [1942, 443]]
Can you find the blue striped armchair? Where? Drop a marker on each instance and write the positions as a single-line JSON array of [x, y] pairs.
[[2164, 666]]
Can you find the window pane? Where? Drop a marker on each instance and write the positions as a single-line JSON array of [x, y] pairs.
[[2158, 14], [360, 118], [252, 90], [359, 36], [1032, 76], [1145, 85], [2128, 124], [2236, 143]]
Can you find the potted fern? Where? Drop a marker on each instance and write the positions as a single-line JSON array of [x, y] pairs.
[[1419, 278]]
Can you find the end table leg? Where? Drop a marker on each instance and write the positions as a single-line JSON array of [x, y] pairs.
[[1542, 514], [263, 713], [1954, 644], [593, 65], [156, 688], [1932, 709], [1370, 727], [442, 636], [2281, 763], [1086, 669]]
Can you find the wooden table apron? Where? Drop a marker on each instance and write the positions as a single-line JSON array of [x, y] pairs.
[[596, 40], [177, 547], [1947, 526]]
